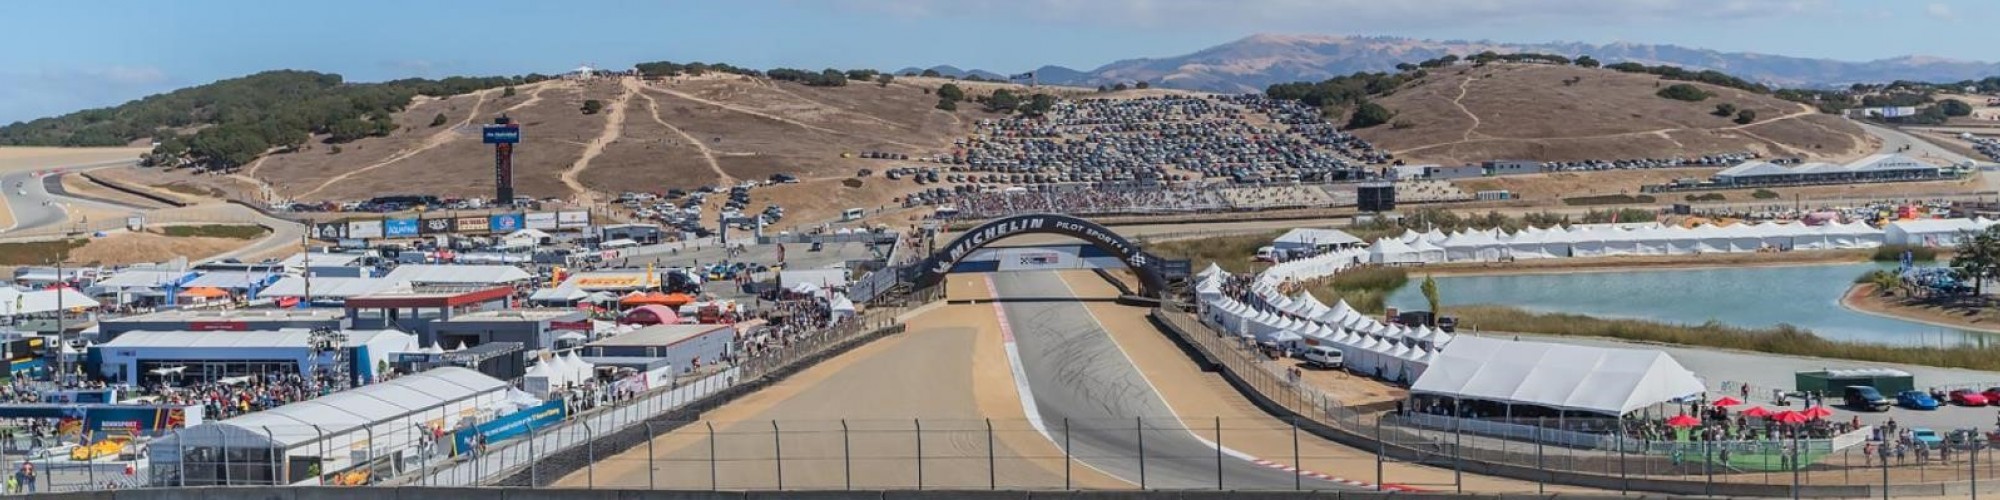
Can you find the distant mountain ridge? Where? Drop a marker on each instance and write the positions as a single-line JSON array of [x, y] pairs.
[[1255, 62]]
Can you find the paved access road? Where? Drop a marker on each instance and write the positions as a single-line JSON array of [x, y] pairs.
[[1078, 374]]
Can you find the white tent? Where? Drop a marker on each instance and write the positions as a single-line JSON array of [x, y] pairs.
[[1473, 246], [1392, 251], [1427, 252], [15, 302], [1569, 377], [841, 308], [583, 369]]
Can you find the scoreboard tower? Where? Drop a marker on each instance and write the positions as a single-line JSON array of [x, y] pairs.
[[503, 134]]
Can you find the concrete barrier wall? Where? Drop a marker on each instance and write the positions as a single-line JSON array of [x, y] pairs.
[[424, 493]]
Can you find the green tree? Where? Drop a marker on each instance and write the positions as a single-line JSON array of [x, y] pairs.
[[1955, 107], [507, 92], [438, 120], [349, 129], [1038, 105], [1119, 86], [1978, 258], [951, 91], [884, 79], [829, 78], [592, 106], [1430, 289], [1683, 92], [1746, 117], [1406, 67], [1142, 85], [1587, 61], [931, 73], [1369, 114], [947, 104], [1724, 109], [1003, 101]]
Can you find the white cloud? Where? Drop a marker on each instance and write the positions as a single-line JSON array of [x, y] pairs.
[[1940, 11], [1325, 15]]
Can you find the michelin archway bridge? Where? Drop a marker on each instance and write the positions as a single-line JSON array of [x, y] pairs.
[[1154, 273]]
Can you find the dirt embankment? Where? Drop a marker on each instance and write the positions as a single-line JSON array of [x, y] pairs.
[[1967, 314]]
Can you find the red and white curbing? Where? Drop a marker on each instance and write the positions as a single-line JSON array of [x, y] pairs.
[[1324, 477], [1007, 336]]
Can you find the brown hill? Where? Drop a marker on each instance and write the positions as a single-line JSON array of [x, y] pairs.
[[1525, 111], [651, 135]]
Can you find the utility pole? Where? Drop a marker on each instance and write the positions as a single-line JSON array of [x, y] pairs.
[[62, 336], [306, 246]]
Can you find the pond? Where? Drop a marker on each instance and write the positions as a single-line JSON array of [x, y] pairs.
[[1754, 297]]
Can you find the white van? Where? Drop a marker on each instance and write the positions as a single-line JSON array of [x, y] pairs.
[[852, 214], [1323, 357], [617, 244]]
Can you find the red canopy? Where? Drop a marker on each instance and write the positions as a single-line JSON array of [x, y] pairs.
[[651, 315], [1790, 417], [1756, 411], [1817, 412], [1728, 401], [1683, 421]]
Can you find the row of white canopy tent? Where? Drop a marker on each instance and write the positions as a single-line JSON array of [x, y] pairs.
[[1605, 240], [559, 369], [1392, 352], [1568, 377]]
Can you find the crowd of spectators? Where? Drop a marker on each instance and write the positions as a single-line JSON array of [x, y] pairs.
[[241, 395], [787, 318]]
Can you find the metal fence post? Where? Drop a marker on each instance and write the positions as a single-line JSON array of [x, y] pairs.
[[1066, 455], [1381, 452], [920, 453], [1457, 441], [1139, 425], [846, 456], [1542, 486], [534, 465], [652, 463], [1299, 468], [272, 450], [713, 485], [778, 454], [1972, 467], [1218, 453], [590, 448], [992, 474]]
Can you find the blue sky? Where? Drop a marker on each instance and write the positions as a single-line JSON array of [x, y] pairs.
[[67, 55]]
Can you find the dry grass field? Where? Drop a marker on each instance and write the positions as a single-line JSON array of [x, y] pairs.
[[1525, 111], [684, 133]]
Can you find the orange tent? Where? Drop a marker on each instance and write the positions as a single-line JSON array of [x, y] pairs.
[[205, 292], [638, 299], [676, 299]]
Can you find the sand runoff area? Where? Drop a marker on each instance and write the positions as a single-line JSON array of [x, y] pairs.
[[951, 370]]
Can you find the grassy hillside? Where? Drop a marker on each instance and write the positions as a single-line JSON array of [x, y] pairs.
[[229, 123], [1561, 113]]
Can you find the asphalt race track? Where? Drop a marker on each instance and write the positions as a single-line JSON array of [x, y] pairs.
[[1079, 375]]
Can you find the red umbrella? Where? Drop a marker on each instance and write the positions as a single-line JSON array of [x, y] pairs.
[[1683, 421], [1756, 411], [1817, 412], [1728, 401], [1790, 417]]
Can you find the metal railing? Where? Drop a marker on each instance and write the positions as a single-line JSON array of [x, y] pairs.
[[1813, 467]]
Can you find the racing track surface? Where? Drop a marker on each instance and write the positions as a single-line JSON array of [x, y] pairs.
[[1078, 373]]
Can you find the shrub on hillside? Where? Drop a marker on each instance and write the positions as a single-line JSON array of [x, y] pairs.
[[1725, 110], [1369, 114], [1705, 197], [1764, 194], [1746, 117], [592, 106], [1684, 92], [438, 120]]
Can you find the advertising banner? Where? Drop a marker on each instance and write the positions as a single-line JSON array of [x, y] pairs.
[[505, 223], [330, 230], [364, 229], [512, 425], [575, 219], [470, 225], [400, 228], [437, 226], [541, 220]]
